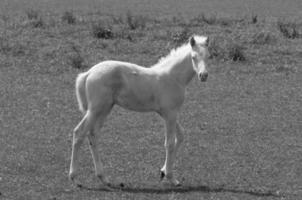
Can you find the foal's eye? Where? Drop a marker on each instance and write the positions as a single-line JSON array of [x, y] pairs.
[[194, 56]]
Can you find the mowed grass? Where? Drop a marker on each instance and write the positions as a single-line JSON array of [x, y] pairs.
[[242, 127]]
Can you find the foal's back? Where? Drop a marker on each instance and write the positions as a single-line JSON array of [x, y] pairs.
[[129, 85]]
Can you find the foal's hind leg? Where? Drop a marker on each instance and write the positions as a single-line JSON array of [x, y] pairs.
[[86, 124], [77, 140], [93, 144]]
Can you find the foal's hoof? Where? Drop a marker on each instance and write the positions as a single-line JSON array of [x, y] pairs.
[[176, 183], [169, 180], [162, 175], [103, 179], [71, 177], [105, 182]]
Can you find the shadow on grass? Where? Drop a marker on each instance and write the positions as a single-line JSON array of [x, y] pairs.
[[157, 189]]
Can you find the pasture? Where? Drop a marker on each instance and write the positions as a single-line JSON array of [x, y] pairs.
[[242, 127]]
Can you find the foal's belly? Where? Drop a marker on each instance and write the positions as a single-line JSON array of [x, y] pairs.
[[142, 101]]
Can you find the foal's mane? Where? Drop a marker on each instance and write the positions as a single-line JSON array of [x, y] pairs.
[[179, 53], [175, 55]]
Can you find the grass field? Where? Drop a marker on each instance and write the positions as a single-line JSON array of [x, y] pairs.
[[275, 8], [242, 127]]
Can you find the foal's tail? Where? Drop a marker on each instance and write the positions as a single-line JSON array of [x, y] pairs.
[[81, 91]]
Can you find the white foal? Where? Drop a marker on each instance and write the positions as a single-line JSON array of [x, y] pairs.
[[160, 88]]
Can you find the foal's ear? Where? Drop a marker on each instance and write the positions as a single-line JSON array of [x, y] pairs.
[[207, 41], [192, 41]]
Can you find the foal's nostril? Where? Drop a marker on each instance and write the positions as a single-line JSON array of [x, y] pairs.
[[203, 76], [206, 75]]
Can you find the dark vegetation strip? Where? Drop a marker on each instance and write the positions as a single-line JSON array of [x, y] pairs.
[[157, 189]]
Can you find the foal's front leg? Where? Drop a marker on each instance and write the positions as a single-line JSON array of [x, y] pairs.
[[167, 169], [179, 137]]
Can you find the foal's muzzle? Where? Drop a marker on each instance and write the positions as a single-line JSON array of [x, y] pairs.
[[203, 76]]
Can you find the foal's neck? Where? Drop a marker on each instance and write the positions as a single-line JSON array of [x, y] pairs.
[[183, 70], [178, 65]]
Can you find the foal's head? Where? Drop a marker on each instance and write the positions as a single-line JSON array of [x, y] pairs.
[[199, 55]]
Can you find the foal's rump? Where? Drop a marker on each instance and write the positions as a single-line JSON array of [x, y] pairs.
[[81, 92]]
